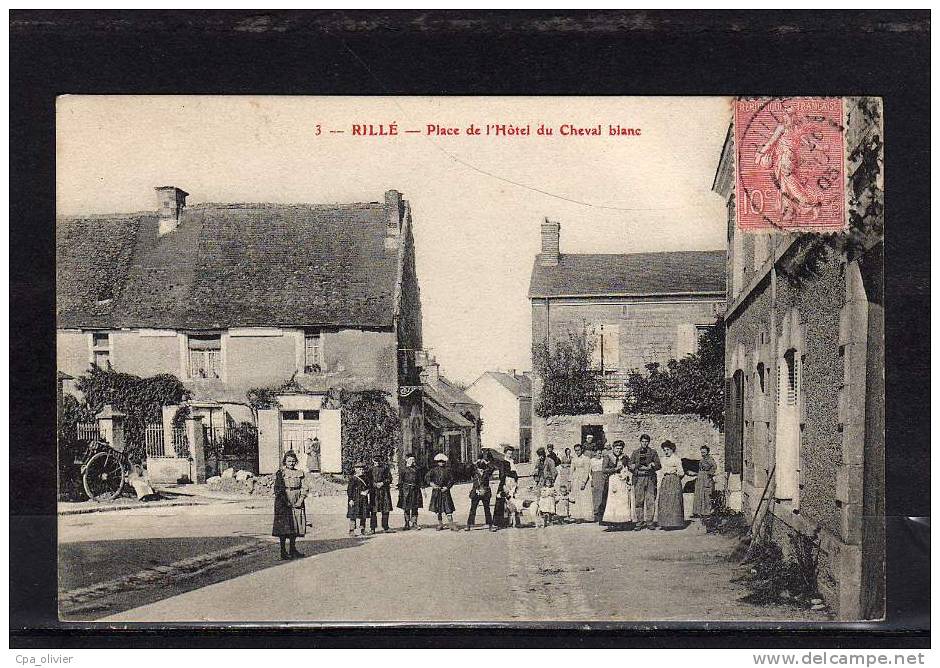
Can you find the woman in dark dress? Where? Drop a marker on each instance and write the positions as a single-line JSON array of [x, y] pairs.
[[704, 484], [359, 499], [442, 503], [409, 492], [290, 514]]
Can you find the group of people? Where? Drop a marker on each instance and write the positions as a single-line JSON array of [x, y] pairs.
[[642, 491], [639, 491]]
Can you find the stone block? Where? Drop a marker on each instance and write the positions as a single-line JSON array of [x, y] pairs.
[[849, 484], [851, 523]]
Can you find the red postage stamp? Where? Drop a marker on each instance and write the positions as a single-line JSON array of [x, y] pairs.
[[789, 164]]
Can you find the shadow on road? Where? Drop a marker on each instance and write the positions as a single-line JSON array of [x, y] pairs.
[[83, 564]]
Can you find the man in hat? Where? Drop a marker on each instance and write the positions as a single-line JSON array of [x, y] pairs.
[[357, 495], [480, 492], [644, 462], [440, 480], [381, 479]]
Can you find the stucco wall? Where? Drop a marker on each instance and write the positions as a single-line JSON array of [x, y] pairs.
[[499, 412], [648, 330], [365, 358], [688, 432], [818, 303], [252, 361], [72, 352]]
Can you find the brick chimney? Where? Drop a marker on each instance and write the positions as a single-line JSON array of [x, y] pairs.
[[551, 233], [171, 201], [394, 209]]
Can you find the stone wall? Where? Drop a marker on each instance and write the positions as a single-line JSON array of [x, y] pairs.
[[648, 329], [688, 432]]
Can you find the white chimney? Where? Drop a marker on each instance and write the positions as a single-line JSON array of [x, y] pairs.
[[171, 201]]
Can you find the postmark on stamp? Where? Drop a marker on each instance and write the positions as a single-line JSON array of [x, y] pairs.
[[789, 164]]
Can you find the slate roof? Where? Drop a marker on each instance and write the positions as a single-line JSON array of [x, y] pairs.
[[521, 386], [453, 393], [228, 265], [634, 274]]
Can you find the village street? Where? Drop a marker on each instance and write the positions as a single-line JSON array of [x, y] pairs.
[[216, 561]]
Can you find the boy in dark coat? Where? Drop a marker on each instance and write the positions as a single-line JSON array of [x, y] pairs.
[[357, 493], [409, 492], [442, 503], [381, 479], [480, 492]]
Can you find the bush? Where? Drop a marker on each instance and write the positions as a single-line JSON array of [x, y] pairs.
[[371, 427], [692, 385], [569, 384], [140, 399]]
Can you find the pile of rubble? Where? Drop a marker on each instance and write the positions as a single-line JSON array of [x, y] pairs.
[[245, 482]]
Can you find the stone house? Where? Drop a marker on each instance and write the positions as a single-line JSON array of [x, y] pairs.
[[229, 297], [637, 308], [506, 400], [804, 365]]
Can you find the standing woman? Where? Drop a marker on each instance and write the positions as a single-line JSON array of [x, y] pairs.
[[409, 492], [598, 483], [704, 484], [582, 493], [442, 503], [670, 510], [290, 514]]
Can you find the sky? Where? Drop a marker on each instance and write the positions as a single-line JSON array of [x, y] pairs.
[[477, 201]]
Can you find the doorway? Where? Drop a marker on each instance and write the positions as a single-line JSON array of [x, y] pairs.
[[595, 430]]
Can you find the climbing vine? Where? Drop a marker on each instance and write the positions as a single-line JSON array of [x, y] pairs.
[[370, 425], [140, 399]]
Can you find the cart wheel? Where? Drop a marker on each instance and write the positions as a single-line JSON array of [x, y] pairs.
[[104, 476]]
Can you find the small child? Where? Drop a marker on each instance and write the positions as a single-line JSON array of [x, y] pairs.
[[545, 512], [513, 507], [563, 503]]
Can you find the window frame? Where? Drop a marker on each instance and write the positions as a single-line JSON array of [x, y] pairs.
[[187, 362], [309, 334], [96, 348]]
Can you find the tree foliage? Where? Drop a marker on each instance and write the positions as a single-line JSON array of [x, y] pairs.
[[569, 385], [694, 384], [370, 425]]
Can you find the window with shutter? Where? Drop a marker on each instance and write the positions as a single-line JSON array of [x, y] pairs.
[[787, 434]]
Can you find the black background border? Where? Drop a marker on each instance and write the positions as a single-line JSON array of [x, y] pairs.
[[468, 53]]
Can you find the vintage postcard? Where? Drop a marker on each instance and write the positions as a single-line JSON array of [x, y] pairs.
[[489, 360]]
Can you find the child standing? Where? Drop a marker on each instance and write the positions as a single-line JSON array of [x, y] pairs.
[[563, 503], [357, 493], [513, 507], [545, 514], [442, 503]]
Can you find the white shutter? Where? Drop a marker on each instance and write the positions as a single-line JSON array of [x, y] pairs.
[[612, 347], [686, 340], [594, 340], [269, 440], [331, 443]]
